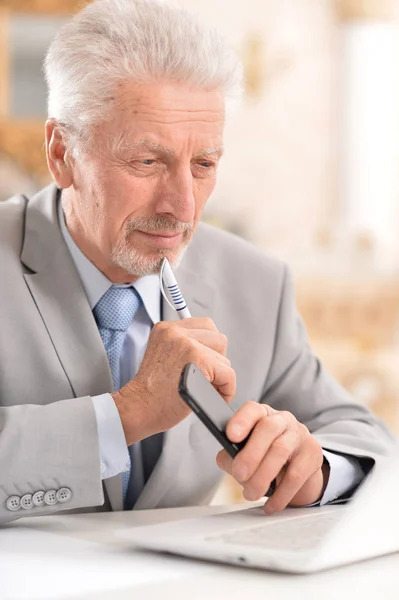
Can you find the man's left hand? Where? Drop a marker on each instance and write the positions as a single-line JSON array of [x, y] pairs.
[[279, 447]]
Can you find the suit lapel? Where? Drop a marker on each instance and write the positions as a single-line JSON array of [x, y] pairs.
[[200, 298], [60, 298]]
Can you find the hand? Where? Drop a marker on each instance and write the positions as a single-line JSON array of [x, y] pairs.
[[280, 448], [150, 402]]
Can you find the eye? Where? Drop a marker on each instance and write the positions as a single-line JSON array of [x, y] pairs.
[[204, 168], [148, 161]]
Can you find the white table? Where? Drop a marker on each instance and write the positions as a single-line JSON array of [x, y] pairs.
[[81, 557]]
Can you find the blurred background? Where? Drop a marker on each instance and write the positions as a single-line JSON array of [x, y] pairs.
[[311, 170]]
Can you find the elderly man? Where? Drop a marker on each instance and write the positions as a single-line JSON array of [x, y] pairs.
[[90, 356]]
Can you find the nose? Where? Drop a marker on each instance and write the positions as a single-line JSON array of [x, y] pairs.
[[177, 195]]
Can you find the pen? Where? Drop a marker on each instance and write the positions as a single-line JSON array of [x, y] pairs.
[[167, 277]]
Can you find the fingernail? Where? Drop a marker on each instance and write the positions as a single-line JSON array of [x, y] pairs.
[[240, 472], [269, 510]]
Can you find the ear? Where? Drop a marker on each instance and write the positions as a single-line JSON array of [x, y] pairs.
[[58, 159]]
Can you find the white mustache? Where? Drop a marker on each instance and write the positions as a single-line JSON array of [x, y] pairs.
[[153, 224]]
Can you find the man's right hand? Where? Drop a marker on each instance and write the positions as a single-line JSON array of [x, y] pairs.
[[150, 403]]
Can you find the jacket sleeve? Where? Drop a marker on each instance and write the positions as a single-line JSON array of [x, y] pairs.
[[299, 383], [49, 458]]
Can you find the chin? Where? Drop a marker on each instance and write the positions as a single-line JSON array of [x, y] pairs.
[[140, 264]]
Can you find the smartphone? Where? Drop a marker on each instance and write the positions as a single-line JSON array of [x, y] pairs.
[[209, 406]]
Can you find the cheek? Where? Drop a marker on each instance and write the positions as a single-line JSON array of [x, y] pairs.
[[123, 189], [107, 210], [203, 188], [123, 197]]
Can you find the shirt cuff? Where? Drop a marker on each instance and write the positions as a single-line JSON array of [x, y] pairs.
[[114, 455], [345, 474]]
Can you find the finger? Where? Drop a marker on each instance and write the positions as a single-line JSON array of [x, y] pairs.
[[266, 430], [194, 323], [211, 339], [172, 336], [279, 454], [301, 468], [224, 461], [199, 353], [304, 470], [245, 419], [222, 376]]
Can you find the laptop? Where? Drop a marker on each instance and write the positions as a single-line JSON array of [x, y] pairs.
[[297, 540]]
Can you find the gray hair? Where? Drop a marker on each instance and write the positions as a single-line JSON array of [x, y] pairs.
[[115, 41]]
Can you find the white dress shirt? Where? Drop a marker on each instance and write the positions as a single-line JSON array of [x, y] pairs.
[[345, 472]]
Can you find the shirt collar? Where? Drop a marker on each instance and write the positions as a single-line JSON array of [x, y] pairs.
[[95, 283]]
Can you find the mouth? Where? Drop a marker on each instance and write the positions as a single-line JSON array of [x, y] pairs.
[[162, 239]]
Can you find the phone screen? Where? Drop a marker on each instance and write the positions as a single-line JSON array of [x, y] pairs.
[[208, 405], [211, 409]]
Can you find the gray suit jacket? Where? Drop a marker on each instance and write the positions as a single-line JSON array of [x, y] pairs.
[[52, 360]]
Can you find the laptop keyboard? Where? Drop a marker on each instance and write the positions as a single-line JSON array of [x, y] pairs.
[[300, 533]]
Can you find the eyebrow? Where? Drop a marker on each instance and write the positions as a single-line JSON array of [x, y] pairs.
[[147, 144], [207, 151]]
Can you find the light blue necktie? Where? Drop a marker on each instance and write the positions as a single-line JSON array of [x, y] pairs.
[[114, 312]]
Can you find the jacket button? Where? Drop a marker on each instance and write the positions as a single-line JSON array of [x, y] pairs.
[[38, 499], [50, 497], [13, 503], [26, 501], [64, 495]]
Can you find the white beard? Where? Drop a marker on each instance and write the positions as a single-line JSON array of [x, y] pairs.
[[133, 262]]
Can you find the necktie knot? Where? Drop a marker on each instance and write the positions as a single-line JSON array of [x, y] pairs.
[[116, 309]]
